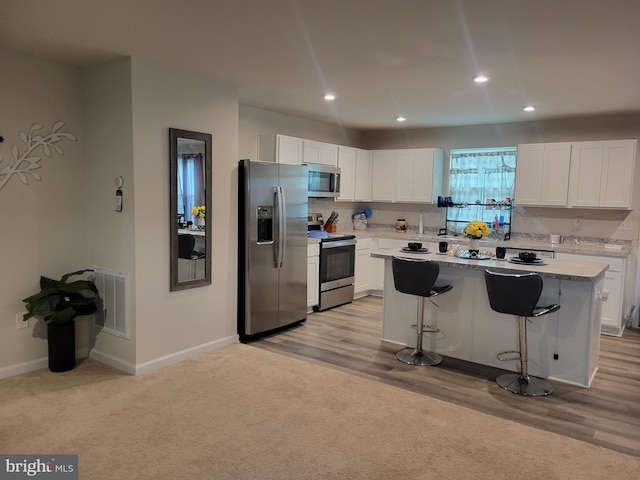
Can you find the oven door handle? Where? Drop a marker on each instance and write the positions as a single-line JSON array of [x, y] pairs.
[[338, 243]]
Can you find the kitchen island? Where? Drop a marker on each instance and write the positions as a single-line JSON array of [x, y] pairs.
[[471, 331]]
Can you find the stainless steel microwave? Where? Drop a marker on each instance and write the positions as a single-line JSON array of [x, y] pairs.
[[324, 181]]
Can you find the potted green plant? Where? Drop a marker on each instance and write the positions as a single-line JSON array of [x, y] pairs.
[[59, 302]]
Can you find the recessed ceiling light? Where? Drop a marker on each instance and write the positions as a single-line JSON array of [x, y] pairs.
[[480, 79], [400, 119], [529, 108], [329, 96]]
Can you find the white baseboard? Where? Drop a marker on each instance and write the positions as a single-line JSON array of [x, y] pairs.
[[110, 360], [184, 354], [611, 331], [24, 367], [37, 364]]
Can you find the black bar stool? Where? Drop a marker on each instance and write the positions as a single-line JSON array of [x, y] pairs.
[[518, 294], [417, 277]]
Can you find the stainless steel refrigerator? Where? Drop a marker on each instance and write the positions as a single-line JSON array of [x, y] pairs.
[[272, 247]]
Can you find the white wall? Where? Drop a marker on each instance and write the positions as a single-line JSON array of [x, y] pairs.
[[108, 143], [121, 112], [42, 223], [256, 121], [167, 322]]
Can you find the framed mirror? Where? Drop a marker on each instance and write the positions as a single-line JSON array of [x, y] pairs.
[[191, 211]]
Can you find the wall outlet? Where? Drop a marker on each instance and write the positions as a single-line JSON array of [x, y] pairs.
[[625, 227], [21, 323]]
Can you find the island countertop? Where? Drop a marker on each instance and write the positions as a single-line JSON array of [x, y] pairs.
[[552, 268], [562, 346], [598, 247]]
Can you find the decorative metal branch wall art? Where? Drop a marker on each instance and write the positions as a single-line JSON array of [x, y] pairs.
[[25, 163]]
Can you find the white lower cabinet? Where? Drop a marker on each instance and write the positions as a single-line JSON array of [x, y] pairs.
[[363, 267], [313, 275], [614, 305]]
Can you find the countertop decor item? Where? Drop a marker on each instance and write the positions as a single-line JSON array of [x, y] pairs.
[[474, 231], [527, 257], [536, 261], [59, 302], [414, 250], [471, 256], [199, 212]]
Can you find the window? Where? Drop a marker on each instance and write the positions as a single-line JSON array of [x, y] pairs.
[[191, 184], [480, 175]]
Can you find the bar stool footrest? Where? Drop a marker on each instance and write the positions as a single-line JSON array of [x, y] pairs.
[[509, 356], [427, 329]]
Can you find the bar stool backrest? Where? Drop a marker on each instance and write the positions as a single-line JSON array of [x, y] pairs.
[[414, 277], [185, 245], [514, 294]]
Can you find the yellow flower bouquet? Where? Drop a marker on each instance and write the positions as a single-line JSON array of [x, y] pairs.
[[476, 230], [198, 211]]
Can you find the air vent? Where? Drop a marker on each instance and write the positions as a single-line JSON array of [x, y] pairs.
[[112, 287]]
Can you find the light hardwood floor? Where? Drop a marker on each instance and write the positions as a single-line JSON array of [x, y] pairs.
[[607, 414]]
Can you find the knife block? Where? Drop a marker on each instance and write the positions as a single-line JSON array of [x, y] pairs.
[[331, 228]]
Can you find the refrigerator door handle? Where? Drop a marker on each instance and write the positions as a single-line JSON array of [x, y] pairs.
[[281, 215]]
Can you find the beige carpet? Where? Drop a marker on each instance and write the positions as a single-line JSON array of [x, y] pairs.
[[244, 413]]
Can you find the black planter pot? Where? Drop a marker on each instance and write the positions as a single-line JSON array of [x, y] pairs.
[[62, 346]]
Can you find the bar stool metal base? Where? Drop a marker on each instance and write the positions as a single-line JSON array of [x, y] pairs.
[[421, 358], [524, 385]]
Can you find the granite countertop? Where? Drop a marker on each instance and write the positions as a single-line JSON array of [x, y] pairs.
[[585, 246], [552, 268]]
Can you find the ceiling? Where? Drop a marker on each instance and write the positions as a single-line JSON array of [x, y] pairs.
[[381, 58]]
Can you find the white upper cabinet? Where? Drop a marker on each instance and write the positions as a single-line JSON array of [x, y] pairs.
[[347, 164], [586, 169], [364, 174], [407, 175], [618, 173], [602, 174], [598, 174], [419, 175], [280, 149], [383, 183], [355, 174], [320, 152], [542, 174], [405, 185]]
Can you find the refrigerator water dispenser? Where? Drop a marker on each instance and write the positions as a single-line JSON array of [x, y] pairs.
[[265, 224]]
